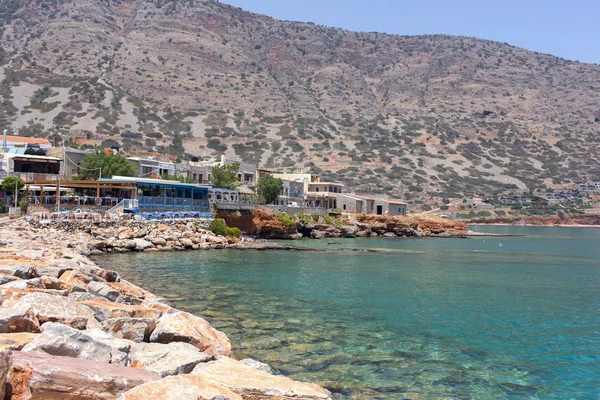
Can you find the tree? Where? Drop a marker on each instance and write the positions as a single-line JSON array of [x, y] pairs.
[[226, 176], [111, 164], [269, 188], [11, 182]]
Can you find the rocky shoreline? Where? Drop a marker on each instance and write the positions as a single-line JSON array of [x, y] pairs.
[[71, 329]]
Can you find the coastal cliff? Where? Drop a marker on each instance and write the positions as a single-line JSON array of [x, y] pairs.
[[270, 225], [71, 329]]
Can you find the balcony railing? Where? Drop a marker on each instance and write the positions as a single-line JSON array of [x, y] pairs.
[[34, 176], [171, 203]]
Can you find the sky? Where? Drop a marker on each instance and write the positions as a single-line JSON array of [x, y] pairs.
[[565, 28]]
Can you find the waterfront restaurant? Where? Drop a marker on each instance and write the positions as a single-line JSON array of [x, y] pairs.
[[156, 195]]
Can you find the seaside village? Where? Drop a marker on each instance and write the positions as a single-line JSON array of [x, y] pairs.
[[53, 189]]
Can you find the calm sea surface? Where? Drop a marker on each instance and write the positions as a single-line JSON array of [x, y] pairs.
[[480, 318]]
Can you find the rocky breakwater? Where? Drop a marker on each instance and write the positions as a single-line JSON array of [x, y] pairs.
[[72, 330], [271, 225], [90, 238]]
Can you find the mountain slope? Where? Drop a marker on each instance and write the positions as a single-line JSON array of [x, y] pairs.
[[415, 117]]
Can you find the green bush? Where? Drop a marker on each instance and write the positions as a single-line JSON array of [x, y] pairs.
[[234, 232], [288, 222], [218, 227], [23, 204], [3, 208], [484, 214]]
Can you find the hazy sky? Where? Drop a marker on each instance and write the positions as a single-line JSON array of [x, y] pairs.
[[565, 28]]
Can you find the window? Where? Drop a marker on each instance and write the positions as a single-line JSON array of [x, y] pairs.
[[344, 206]]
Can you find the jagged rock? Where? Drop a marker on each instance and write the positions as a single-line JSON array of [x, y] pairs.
[[167, 359], [157, 305], [134, 329], [43, 376], [5, 370], [84, 296], [158, 241], [103, 290], [181, 387], [35, 283], [348, 231], [129, 289], [251, 383], [315, 234], [49, 308], [7, 278], [61, 340], [141, 244], [15, 341], [187, 243], [258, 365], [185, 327], [18, 319], [126, 234], [105, 310], [76, 278]]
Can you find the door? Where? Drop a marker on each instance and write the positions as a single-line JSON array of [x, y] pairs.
[[379, 210]]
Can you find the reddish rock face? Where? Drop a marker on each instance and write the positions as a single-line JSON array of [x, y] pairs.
[[18, 319], [42, 376], [182, 387], [185, 327], [15, 341], [253, 384]]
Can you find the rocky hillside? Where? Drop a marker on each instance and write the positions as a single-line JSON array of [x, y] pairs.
[[407, 116]]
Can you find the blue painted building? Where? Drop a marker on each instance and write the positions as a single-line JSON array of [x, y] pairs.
[[155, 195]]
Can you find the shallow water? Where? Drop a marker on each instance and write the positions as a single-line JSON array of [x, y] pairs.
[[427, 319]]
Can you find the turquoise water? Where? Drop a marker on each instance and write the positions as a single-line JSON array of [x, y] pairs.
[[427, 319]]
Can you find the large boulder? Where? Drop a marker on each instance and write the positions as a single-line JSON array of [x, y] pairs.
[[185, 327], [252, 383], [49, 308], [141, 244], [167, 359], [61, 340], [105, 310], [76, 279], [18, 319], [101, 289], [46, 377], [181, 387], [349, 231], [134, 329], [130, 290]]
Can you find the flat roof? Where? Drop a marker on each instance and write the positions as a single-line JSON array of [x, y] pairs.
[[21, 139], [31, 156], [326, 183], [158, 182]]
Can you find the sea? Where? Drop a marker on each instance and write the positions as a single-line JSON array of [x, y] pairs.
[[510, 317]]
